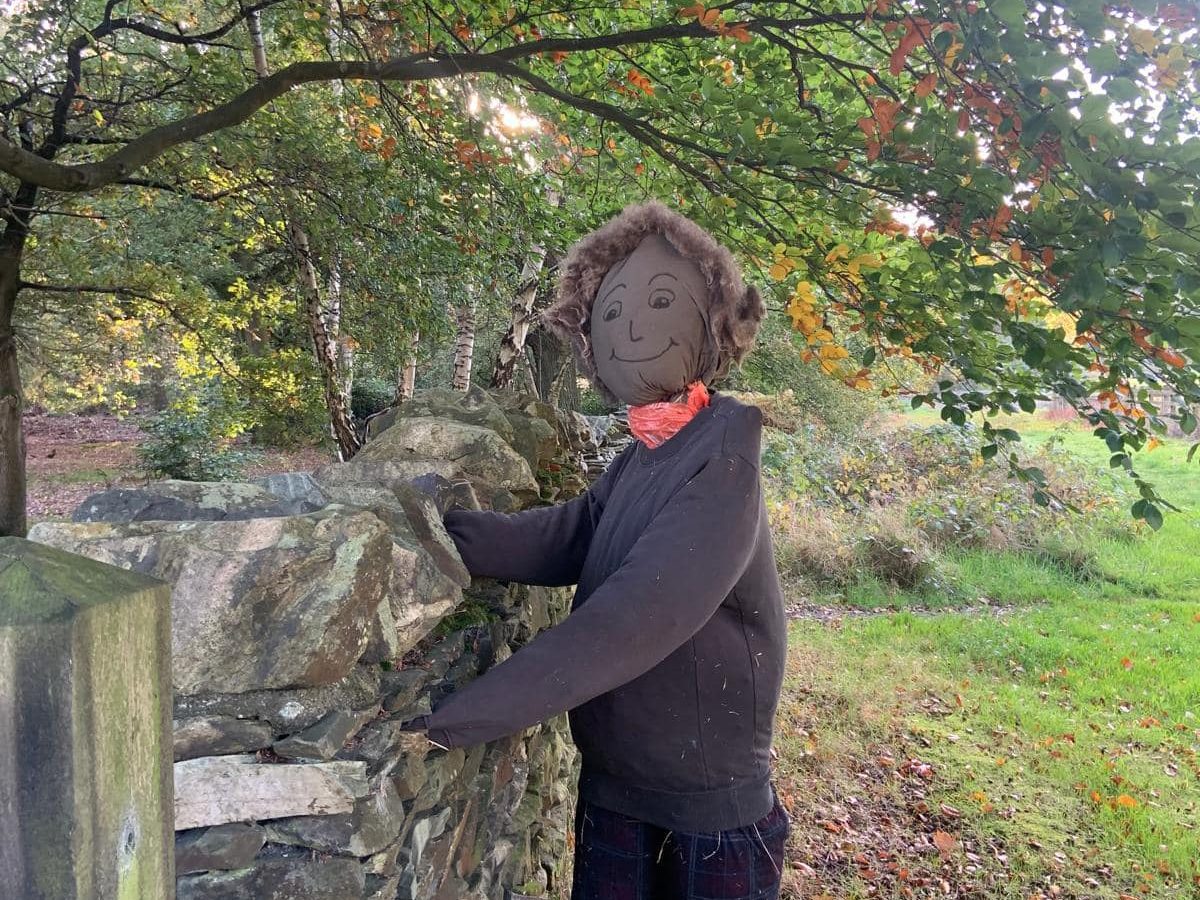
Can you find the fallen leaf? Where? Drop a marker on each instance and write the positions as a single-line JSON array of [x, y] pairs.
[[944, 841]]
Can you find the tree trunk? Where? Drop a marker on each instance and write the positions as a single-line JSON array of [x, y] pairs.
[[512, 345], [257, 47], [322, 330], [337, 401], [406, 381], [12, 432], [464, 345], [530, 382], [333, 325], [17, 218]]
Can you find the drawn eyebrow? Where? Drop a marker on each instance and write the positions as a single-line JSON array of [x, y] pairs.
[[611, 289], [661, 275]]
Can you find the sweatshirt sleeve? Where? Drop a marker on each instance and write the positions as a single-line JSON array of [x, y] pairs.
[[673, 580], [544, 546]]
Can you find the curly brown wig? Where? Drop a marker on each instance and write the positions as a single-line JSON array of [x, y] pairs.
[[734, 309]]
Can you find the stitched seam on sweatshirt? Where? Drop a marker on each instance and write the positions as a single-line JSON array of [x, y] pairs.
[[699, 718], [753, 675]]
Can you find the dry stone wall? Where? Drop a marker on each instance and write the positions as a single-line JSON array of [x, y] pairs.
[[313, 613]]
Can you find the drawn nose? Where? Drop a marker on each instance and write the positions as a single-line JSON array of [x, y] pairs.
[[633, 339]]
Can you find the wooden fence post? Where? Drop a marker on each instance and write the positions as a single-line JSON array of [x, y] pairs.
[[86, 796]]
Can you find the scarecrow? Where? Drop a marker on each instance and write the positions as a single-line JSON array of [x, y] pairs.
[[671, 661]]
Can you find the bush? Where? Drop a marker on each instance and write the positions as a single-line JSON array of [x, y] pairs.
[[192, 439], [883, 506], [776, 365], [371, 395], [812, 543]]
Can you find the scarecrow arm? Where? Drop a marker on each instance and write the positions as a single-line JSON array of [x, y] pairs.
[[543, 546], [674, 578]]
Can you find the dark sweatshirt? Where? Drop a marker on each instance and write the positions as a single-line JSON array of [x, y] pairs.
[[671, 660]]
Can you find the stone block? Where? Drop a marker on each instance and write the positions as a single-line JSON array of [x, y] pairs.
[[285, 874], [215, 735], [374, 824], [218, 789], [259, 603], [324, 739], [85, 739], [221, 847], [288, 711], [181, 501]]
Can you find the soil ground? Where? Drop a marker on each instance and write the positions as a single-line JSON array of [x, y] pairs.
[[70, 457]]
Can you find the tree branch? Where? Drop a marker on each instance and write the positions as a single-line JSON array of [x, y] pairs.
[[37, 169]]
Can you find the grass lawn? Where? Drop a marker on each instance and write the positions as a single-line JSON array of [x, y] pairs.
[[1048, 750]]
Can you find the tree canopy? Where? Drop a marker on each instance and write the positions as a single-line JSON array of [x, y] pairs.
[[1002, 194]]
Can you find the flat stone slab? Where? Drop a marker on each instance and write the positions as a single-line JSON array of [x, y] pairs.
[[177, 501], [214, 735], [374, 825], [291, 875], [232, 846], [322, 740], [215, 790]]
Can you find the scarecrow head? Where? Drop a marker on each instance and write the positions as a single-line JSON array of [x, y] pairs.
[[651, 302]]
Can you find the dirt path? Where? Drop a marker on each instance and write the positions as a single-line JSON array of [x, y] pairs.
[[68, 458], [833, 615]]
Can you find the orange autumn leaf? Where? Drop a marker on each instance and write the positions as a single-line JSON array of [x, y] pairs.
[[557, 56], [916, 32], [1047, 256], [1171, 358], [926, 85], [738, 32], [1126, 663], [1125, 800], [944, 841], [709, 18], [640, 81], [1014, 251], [884, 112]]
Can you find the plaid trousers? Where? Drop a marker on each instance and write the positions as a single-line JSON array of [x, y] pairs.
[[619, 858]]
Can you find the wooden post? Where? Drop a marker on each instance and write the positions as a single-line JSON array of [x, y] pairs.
[[86, 792]]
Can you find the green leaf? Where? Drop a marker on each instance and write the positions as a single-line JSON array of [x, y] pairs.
[[1010, 12], [1153, 516]]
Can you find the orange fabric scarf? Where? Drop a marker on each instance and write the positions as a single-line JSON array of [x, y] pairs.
[[655, 423]]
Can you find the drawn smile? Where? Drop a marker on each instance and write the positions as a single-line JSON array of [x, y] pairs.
[[672, 343]]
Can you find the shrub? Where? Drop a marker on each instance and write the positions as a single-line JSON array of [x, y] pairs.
[[813, 543], [885, 505], [776, 365], [371, 395], [192, 439]]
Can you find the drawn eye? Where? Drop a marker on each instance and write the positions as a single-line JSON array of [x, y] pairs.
[[661, 298], [613, 311]]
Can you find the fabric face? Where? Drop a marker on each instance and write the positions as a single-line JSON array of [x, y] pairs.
[[649, 326]]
